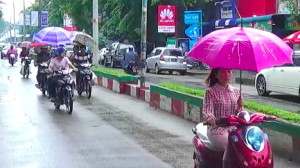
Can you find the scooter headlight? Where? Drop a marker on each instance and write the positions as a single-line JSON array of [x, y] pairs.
[[255, 138]]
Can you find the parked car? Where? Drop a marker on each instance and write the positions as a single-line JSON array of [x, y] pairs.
[[117, 53], [69, 49], [166, 59], [284, 79], [102, 55], [4, 51]]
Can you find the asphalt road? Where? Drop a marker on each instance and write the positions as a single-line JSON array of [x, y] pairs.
[[109, 130]]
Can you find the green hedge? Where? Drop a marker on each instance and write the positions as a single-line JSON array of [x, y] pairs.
[[252, 106], [114, 74], [111, 71]]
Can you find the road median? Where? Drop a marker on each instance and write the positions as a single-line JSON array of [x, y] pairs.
[[187, 103]]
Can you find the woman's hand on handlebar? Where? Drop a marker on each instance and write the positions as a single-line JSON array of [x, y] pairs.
[[211, 121]]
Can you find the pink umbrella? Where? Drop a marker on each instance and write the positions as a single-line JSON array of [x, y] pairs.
[[242, 49]]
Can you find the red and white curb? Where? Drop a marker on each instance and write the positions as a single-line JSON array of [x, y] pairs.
[[113, 85], [176, 107]]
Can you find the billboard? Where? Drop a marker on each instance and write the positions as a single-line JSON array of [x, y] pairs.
[[44, 18], [166, 18], [34, 18]]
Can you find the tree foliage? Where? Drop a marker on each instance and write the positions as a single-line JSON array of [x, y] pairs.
[[118, 18]]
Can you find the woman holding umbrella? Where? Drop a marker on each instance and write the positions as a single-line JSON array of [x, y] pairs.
[[243, 49], [221, 99]]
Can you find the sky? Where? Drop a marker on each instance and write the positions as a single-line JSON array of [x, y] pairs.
[[8, 8]]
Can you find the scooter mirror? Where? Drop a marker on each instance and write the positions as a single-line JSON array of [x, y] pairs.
[[194, 130]]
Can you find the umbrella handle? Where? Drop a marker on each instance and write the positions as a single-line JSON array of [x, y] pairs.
[[241, 82]]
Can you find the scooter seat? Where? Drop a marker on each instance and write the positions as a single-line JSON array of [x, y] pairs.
[[201, 131]]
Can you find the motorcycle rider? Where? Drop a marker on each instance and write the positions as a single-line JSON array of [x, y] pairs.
[[60, 62], [220, 99], [24, 53], [75, 53], [81, 57], [130, 56], [11, 51], [42, 56]]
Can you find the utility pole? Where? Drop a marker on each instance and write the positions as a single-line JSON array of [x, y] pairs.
[[24, 21], [143, 42], [95, 31], [10, 38], [39, 14], [15, 36]]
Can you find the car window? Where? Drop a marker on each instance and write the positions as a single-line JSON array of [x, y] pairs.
[[172, 52], [157, 52]]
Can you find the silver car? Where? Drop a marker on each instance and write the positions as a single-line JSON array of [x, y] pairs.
[[166, 59]]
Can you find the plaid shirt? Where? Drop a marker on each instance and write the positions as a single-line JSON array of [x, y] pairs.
[[220, 101]]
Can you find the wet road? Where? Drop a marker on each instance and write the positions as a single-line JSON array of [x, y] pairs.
[[109, 130]]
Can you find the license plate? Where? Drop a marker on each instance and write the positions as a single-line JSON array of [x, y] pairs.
[[173, 60]]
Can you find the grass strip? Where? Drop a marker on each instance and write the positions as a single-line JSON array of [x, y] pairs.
[[252, 106]]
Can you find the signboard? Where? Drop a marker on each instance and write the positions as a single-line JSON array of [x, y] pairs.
[[166, 19], [227, 11], [184, 44], [27, 19], [263, 25], [193, 32], [34, 18], [171, 42], [292, 23], [44, 18], [192, 18]]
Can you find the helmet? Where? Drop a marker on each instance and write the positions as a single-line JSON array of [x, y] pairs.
[[130, 48], [59, 50]]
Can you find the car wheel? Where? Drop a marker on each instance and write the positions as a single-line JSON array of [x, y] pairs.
[[182, 73], [157, 71], [147, 69], [261, 86]]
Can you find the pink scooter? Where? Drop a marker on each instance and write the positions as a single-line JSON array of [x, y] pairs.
[[248, 145]]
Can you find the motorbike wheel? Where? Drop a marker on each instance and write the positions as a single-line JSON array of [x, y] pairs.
[[44, 86], [24, 72], [69, 103], [88, 90], [27, 72], [56, 106]]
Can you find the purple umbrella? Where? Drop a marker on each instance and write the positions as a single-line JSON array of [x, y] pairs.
[[53, 36]]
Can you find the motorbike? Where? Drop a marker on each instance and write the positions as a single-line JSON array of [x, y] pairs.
[[12, 59], [44, 72], [84, 81], [248, 146], [26, 70], [64, 91], [132, 68]]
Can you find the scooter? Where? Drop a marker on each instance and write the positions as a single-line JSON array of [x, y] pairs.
[[26, 70], [248, 146], [12, 59], [44, 72], [64, 91], [132, 68], [84, 81]]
